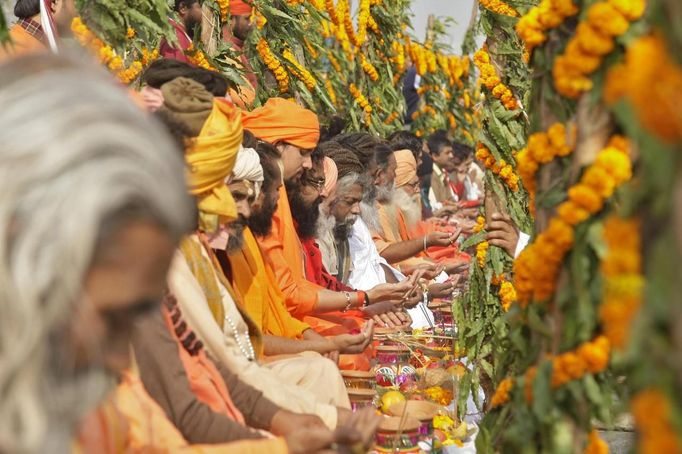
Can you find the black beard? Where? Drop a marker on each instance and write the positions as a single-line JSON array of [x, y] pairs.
[[342, 231], [235, 240], [305, 216], [260, 221]]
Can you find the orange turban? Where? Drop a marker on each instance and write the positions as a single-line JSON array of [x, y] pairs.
[[406, 169], [331, 175], [210, 160], [282, 120], [239, 8]]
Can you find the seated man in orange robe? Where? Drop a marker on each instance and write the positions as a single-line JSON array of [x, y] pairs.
[[294, 131], [209, 303], [254, 279], [392, 236]]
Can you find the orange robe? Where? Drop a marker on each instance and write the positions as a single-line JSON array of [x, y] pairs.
[[262, 299], [22, 43], [284, 253], [131, 421], [395, 230]]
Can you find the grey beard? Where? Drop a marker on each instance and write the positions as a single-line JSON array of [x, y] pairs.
[[385, 193], [69, 396], [410, 206], [325, 223]]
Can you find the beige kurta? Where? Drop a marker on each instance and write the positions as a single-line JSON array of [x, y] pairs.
[[305, 383]]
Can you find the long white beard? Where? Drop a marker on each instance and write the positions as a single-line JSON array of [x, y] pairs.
[[370, 215], [410, 206], [325, 223]]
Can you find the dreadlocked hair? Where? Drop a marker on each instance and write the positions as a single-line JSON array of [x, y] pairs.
[[345, 159]]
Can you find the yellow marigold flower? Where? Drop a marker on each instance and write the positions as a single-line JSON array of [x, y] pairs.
[[130, 33], [585, 197], [501, 395], [631, 9], [481, 252], [572, 214], [596, 445], [591, 41], [599, 180], [607, 19]]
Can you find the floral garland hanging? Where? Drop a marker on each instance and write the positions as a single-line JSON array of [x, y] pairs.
[[549, 14], [492, 81]]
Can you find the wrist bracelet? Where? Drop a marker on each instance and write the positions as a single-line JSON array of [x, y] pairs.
[[367, 302], [425, 242], [349, 303]]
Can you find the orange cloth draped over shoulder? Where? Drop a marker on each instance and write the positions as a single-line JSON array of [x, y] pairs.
[[282, 120], [284, 252], [22, 43], [131, 421], [262, 299]]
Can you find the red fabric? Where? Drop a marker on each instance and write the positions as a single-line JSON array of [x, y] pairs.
[[250, 75], [168, 51], [239, 8], [315, 270]]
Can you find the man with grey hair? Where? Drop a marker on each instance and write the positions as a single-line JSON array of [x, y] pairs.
[[92, 205]]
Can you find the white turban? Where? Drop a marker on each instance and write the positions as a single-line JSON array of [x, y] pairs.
[[248, 168]]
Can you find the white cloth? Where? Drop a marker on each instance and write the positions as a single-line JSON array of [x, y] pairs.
[[248, 167], [293, 392], [367, 270], [524, 238]]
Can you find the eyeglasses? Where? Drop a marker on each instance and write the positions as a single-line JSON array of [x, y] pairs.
[[317, 183]]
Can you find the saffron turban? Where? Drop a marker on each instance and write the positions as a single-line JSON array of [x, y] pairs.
[[240, 8], [282, 120], [331, 176], [248, 168], [406, 168], [210, 160]]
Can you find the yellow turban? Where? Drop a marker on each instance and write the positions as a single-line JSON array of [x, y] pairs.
[[210, 160], [282, 120], [406, 169]]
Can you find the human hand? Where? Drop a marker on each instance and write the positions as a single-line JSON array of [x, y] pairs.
[[333, 355], [442, 238], [429, 271], [304, 440], [502, 233], [388, 292], [285, 422], [387, 320], [457, 266], [354, 343], [358, 431]]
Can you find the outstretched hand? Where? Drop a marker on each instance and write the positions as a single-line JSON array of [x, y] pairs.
[[502, 233]]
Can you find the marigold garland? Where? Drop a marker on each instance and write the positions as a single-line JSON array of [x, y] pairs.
[[596, 445], [391, 118], [330, 90], [589, 357], [481, 252], [655, 90], [593, 40], [542, 148], [299, 70], [360, 98], [548, 14], [499, 7], [537, 267], [492, 81], [623, 281], [369, 68], [652, 414], [224, 6], [273, 64], [197, 58], [507, 294], [501, 395], [502, 169], [480, 224], [105, 53]]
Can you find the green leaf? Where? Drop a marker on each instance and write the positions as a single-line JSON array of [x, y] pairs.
[[592, 390], [473, 240]]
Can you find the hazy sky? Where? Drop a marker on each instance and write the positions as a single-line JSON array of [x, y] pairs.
[[460, 10]]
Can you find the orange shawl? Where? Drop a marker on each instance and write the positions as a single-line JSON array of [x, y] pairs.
[[262, 299]]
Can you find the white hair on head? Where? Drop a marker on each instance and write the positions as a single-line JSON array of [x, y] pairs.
[[75, 156]]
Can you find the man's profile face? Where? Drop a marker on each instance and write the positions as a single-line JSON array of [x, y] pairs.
[[444, 158], [346, 207], [241, 27], [127, 278], [244, 195], [295, 161]]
